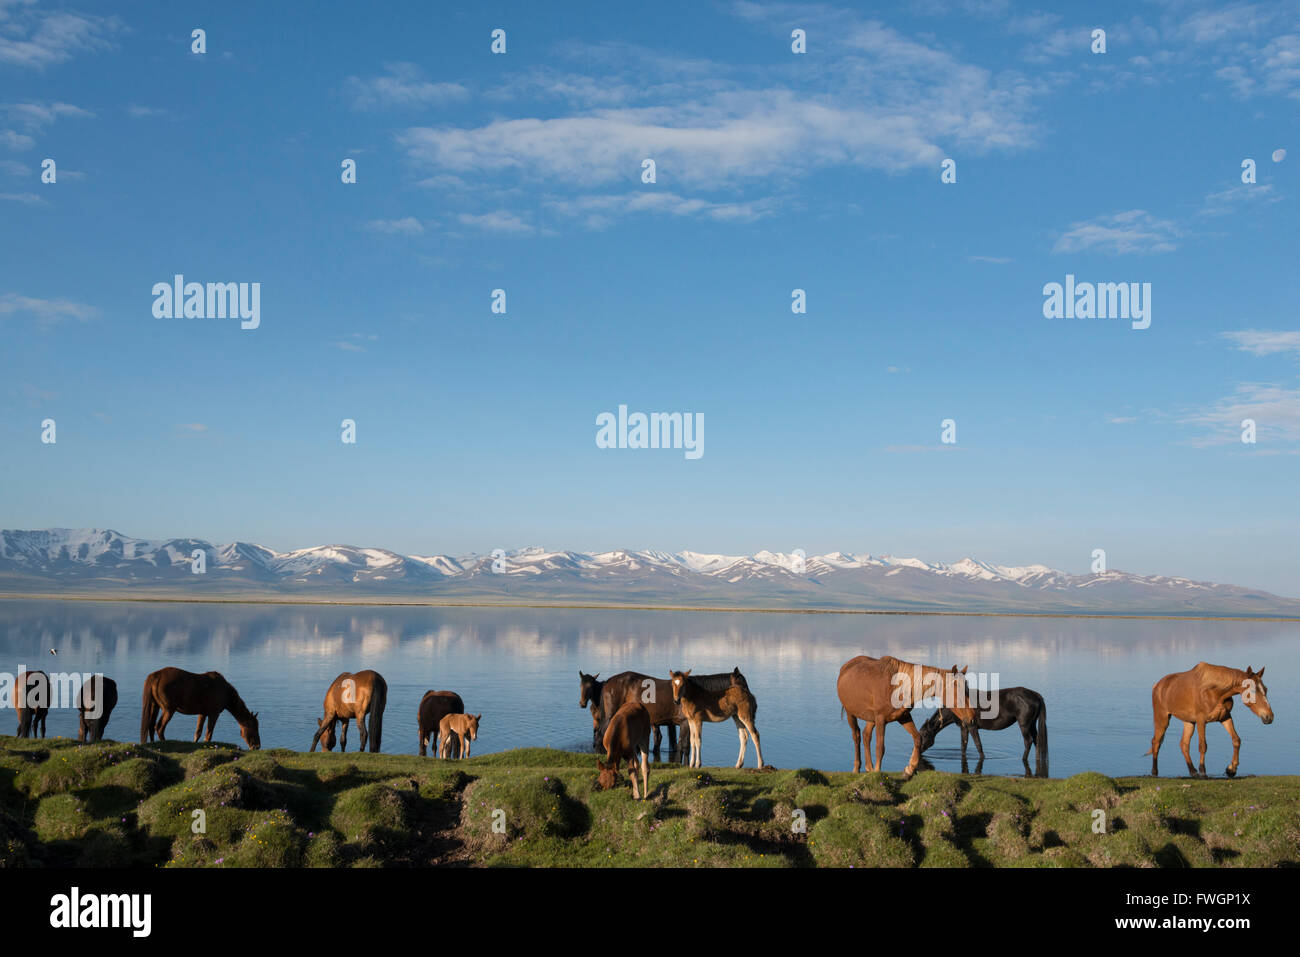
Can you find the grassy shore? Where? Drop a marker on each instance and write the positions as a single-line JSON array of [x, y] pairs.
[[122, 805]]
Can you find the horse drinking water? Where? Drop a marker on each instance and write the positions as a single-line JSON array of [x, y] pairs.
[[1015, 706], [353, 697]]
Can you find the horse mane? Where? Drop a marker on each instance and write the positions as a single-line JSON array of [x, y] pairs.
[[1220, 677]]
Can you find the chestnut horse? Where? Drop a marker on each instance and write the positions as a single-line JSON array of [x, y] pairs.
[[461, 726], [700, 704], [881, 690], [32, 702], [170, 691], [353, 696], [95, 702], [1204, 694], [626, 737], [434, 706]]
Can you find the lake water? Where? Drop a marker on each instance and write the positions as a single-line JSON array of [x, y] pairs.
[[519, 668]]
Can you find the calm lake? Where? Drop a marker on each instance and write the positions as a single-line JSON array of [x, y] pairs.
[[519, 668]]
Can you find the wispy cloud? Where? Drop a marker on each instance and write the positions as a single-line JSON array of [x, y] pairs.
[[1274, 409], [38, 38], [406, 226], [1263, 342], [1133, 231], [403, 86], [27, 199], [499, 221], [1235, 197], [47, 312]]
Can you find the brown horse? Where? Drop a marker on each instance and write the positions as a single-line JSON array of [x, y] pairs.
[[32, 702], [169, 691], [353, 696], [95, 702], [589, 689], [657, 696], [880, 690], [461, 726], [700, 704], [434, 706], [1204, 694], [626, 737]]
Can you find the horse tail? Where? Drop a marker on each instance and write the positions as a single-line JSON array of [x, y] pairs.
[[1041, 741], [147, 710], [378, 698]]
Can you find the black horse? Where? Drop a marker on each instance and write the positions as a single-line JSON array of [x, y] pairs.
[[1015, 706]]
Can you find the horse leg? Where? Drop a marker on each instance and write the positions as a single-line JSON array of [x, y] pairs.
[[659, 738], [1157, 739], [915, 759], [1236, 747], [464, 745], [1200, 743], [1187, 751], [198, 730], [758, 748], [857, 741], [163, 720], [975, 733], [740, 730], [212, 725], [697, 729], [672, 738], [880, 745], [361, 731]]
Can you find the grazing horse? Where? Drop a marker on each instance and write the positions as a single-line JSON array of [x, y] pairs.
[[464, 727], [1204, 694], [32, 702], [881, 690], [589, 690], [434, 706], [95, 702], [626, 737], [353, 697], [700, 704], [170, 691], [1015, 706]]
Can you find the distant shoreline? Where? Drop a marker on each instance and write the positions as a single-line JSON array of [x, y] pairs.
[[590, 606]]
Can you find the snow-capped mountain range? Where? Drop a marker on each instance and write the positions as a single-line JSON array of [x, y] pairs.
[[66, 561]]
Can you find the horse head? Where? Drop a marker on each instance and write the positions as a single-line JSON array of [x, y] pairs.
[[589, 690], [933, 725], [678, 679], [327, 734], [249, 733], [608, 775], [471, 725], [1255, 695]]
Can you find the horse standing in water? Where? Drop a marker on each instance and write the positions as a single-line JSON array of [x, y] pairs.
[[1015, 706], [95, 702], [31, 702], [434, 706], [880, 690], [589, 691], [169, 691], [1200, 695], [353, 697]]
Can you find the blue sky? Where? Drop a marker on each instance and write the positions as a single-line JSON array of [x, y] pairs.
[[775, 171]]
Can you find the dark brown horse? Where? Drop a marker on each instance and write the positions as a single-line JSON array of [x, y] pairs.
[[880, 690], [699, 703], [434, 706], [1205, 694], [170, 691], [627, 736], [1014, 706], [95, 702], [353, 697], [32, 702], [589, 688]]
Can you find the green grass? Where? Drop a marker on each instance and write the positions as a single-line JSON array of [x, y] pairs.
[[186, 805]]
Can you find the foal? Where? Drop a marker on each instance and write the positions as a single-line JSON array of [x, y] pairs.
[[627, 736], [464, 726], [699, 704]]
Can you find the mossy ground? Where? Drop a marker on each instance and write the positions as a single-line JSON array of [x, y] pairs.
[[120, 805]]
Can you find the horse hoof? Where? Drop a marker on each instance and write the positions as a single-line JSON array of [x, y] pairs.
[[1230, 772]]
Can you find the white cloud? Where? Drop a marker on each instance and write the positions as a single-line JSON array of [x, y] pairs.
[[1263, 342], [47, 311], [403, 86], [498, 221], [1133, 231], [35, 38], [406, 226], [1275, 410]]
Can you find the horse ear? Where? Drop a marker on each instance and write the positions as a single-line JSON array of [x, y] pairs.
[[686, 672], [963, 668], [596, 675], [1259, 673]]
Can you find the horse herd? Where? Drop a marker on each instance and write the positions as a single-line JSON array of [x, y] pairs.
[[628, 708]]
